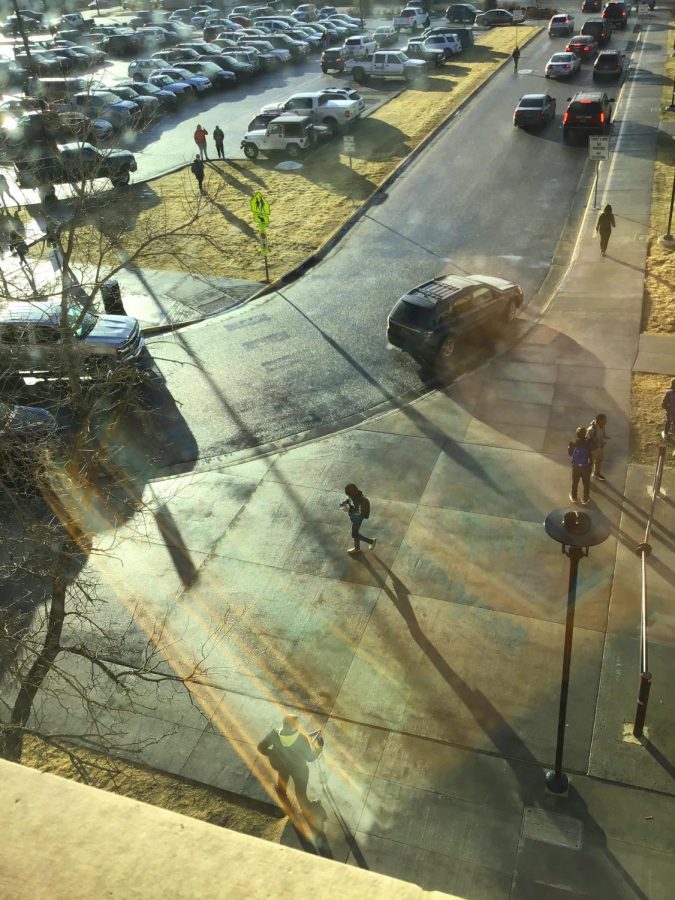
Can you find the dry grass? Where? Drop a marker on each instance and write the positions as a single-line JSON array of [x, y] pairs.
[[158, 789], [307, 204], [658, 310]]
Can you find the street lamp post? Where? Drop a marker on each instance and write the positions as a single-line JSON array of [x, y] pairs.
[[576, 531]]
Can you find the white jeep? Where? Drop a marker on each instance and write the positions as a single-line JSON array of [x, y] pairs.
[[286, 135]]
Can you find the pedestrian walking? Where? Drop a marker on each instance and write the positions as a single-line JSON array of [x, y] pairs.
[[604, 227], [197, 169], [4, 189], [515, 56], [18, 246], [668, 404], [200, 141], [289, 751], [219, 137], [580, 451], [358, 508], [597, 436]]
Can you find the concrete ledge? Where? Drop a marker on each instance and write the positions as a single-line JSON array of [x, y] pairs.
[[65, 841]]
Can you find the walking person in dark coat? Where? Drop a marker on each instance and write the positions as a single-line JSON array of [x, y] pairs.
[[358, 508], [515, 56], [219, 137], [18, 246], [604, 227], [668, 405], [289, 751], [580, 451], [197, 169], [597, 437]]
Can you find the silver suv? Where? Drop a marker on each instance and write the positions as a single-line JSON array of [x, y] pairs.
[[31, 339]]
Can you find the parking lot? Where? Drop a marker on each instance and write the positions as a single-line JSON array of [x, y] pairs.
[[161, 138]]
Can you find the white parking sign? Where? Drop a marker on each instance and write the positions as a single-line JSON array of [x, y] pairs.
[[349, 143], [598, 147]]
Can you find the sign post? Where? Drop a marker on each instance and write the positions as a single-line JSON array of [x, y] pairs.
[[349, 147], [260, 209], [598, 149]]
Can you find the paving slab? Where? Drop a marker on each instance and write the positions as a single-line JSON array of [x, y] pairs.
[[656, 354]]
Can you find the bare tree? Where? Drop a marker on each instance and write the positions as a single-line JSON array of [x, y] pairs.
[[61, 645]]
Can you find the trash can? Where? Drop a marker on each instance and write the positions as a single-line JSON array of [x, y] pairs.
[[112, 298]]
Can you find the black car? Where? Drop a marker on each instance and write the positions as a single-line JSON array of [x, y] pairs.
[[588, 112], [431, 321], [591, 6], [72, 163], [332, 60], [600, 29], [616, 12], [149, 106], [461, 12], [608, 64]]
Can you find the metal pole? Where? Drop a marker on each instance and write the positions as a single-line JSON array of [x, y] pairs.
[[597, 178], [670, 213], [643, 700], [557, 781]]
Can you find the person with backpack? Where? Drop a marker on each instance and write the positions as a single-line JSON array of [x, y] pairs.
[[358, 508], [597, 435], [219, 137], [580, 451], [668, 404], [289, 751], [197, 169]]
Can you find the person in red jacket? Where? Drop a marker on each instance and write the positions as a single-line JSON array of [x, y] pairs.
[[200, 141]]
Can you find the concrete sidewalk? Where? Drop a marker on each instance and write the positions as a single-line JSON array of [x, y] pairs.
[[433, 664]]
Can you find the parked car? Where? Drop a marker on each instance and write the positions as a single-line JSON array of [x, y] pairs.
[[332, 60], [563, 65], [385, 36], [588, 112], [122, 44], [534, 110], [51, 127], [561, 24], [608, 64], [299, 50], [237, 62], [104, 104], [493, 17], [359, 45], [591, 6], [180, 89], [413, 18], [617, 13], [600, 29], [347, 94], [31, 339], [461, 12], [325, 12], [27, 434], [584, 46], [220, 78], [139, 68], [434, 319], [167, 100], [448, 43], [199, 82], [11, 74], [149, 106], [305, 12], [416, 48], [286, 135]]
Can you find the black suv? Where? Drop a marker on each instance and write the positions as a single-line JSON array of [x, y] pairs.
[[591, 6], [600, 29], [332, 60], [429, 321], [616, 12], [588, 112], [461, 12]]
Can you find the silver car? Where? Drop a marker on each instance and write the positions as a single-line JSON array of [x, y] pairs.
[[562, 65], [31, 339]]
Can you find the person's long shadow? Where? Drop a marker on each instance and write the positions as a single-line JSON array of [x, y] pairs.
[[510, 746]]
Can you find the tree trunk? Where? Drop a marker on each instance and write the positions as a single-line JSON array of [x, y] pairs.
[[12, 745]]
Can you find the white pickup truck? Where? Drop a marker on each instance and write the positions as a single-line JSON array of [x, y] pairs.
[[323, 109], [359, 45], [386, 64], [412, 17]]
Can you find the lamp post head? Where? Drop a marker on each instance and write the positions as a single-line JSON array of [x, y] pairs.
[[575, 528]]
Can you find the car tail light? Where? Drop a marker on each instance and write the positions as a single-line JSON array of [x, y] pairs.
[[565, 118], [602, 118]]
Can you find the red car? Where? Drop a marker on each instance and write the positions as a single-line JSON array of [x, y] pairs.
[[584, 46]]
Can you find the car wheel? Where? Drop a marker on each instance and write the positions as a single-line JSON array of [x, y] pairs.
[[293, 151], [332, 126], [510, 311], [250, 151], [121, 180], [359, 74], [324, 70], [447, 349]]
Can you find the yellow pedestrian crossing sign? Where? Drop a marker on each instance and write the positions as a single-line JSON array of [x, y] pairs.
[[260, 209]]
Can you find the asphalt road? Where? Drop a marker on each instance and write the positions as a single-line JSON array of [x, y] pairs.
[[484, 197]]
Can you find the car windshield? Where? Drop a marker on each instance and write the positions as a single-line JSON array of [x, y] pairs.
[[80, 323], [531, 103], [561, 57]]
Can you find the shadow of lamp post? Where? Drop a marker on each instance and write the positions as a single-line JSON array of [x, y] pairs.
[[576, 531]]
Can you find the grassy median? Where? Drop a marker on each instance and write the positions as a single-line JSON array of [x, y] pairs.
[[658, 309], [307, 204]]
